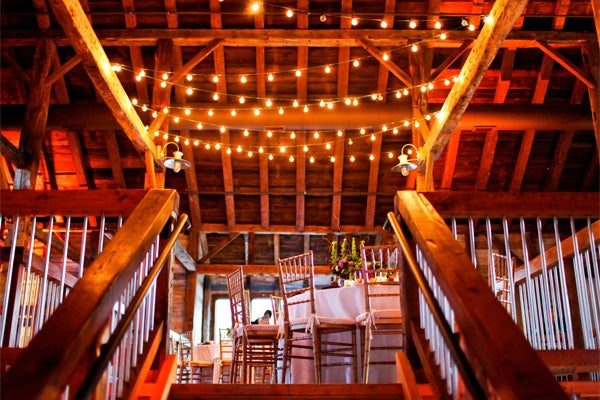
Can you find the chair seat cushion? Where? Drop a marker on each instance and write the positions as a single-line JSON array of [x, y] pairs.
[[378, 315]]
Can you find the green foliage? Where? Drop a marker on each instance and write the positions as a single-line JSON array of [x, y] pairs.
[[345, 259]]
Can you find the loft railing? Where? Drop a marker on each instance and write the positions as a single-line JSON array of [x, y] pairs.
[[112, 321], [454, 244]]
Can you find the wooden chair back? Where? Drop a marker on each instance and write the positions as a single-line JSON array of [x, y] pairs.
[[277, 306], [297, 276], [237, 299], [380, 267]]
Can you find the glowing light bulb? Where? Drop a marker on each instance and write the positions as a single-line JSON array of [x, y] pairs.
[[256, 111], [269, 103], [383, 24], [215, 78], [354, 21], [412, 24], [270, 77], [216, 96], [199, 125], [352, 158], [165, 76], [298, 73], [443, 36], [414, 48], [355, 63], [327, 69], [189, 91], [311, 159], [189, 77], [242, 100], [386, 56], [289, 13], [316, 134], [371, 157], [246, 133], [211, 113], [437, 25], [243, 79], [116, 68]]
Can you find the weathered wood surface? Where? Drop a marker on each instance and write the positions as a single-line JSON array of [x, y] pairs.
[[485, 327]]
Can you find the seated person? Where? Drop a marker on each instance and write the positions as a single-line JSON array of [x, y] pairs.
[[264, 320]]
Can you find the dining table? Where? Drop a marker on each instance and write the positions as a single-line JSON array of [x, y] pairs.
[[346, 302], [209, 352]]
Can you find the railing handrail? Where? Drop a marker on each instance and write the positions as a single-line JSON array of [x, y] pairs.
[[109, 348], [477, 314], [66, 342]]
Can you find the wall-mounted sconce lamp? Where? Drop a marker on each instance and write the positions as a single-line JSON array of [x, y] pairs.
[[176, 163], [407, 160]]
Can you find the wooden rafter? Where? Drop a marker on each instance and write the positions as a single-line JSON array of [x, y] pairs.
[[566, 64], [114, 154], [451, 156], [191, 179], [218, 248], [293, 37], [503, 15], [487, 158], [522, 159], [263, 171], [559, 160], [36, 114], [373, 182], [300, 181], [84, 177], [78, 29], [506, 70]]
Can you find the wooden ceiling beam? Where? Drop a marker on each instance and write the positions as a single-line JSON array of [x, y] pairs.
[[82, 37], [114, 154], [373, 181], [393, 68], [250, 269], [522, 160], [448, 61], [178, 75], [8, 57], [558, 160], [503, 15], [338, 174], [451, 156], [287, 229], [506, 69], [191, 179], [36, 114], [263, 171], [487, 158], [206, 257], [12, 153], [300, 181], [567, 64], [83, 175], [294, 37]]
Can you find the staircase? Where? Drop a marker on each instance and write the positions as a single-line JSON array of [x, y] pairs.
[[288, 391]]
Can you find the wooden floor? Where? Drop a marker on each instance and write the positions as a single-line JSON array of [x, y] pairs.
[[287, 391]]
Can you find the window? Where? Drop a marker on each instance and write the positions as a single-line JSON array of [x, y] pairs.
[[222, 313]]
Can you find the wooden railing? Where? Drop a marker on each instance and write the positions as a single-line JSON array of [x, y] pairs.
[[463, 336], [112, 323]]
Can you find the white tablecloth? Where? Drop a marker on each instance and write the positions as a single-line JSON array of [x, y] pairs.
[[345, 302], [209, 352]]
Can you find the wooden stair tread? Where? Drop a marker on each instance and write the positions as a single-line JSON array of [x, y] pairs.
[[287, 391]]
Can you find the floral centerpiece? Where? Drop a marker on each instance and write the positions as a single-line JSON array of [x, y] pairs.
[[345, 259]]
